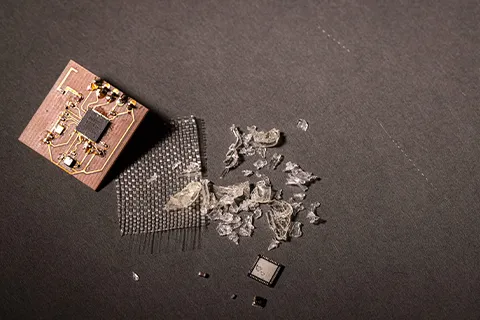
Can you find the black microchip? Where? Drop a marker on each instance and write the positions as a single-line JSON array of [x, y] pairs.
[[93, 125]]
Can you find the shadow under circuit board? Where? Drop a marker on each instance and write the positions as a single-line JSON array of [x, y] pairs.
[[83, 124]]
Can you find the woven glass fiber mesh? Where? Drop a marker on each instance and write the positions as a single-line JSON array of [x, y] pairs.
[[145, 186]]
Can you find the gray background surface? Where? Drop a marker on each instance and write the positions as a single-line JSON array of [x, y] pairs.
[[402, 202]]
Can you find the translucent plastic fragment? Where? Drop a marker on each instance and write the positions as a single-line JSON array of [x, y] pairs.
[[228, 195], [232, 158], [274, 244], [224, 229], [302, 124], [280, 218], [233, 237], [299, 196], [264, 139], [296, 229], [298, 177], [262, 193], [247, 173], [176, 165], [311, 214], [245, 232], [279, 194], [185, 197], [257, 213], [297, 207], [289, 166], [262, 152], [313, 218], [275, 161], [135, 276], [152, 178], [193, 168], [260, 163]]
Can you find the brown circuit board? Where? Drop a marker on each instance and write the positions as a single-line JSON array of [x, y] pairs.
[[83, 124]]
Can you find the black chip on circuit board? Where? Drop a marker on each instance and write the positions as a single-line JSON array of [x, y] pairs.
[[93, 125]]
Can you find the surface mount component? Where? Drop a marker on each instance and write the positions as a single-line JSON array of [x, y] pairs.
[[83, 124], [265, 270], [259, 302]]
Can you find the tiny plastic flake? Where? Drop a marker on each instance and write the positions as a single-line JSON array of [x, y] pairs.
[[247, 173], [302, 124], [274, 244], [298, 177], [185, 197], [135, 276], [311, 214], [260, 163], [275, 161]]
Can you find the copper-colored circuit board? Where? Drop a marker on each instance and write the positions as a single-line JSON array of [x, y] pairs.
[[83, 124]]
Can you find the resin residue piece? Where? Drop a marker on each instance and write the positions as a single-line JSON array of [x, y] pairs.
[[275, 161], [135, 276], [152, 178], [311, 214], [193, 169], [298, 177], [176, 165], [185, 197], [302, 124], [260, 163]]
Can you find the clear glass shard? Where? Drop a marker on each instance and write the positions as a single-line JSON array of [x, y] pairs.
[[260, 163], [302, 124], [296, 229], [274, 244], [275, 161], [186, 197]]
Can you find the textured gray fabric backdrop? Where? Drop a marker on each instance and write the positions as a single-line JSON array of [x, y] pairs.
[[402, 202]]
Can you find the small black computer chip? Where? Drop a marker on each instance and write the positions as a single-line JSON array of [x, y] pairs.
[[265, 270], [93, 125]]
